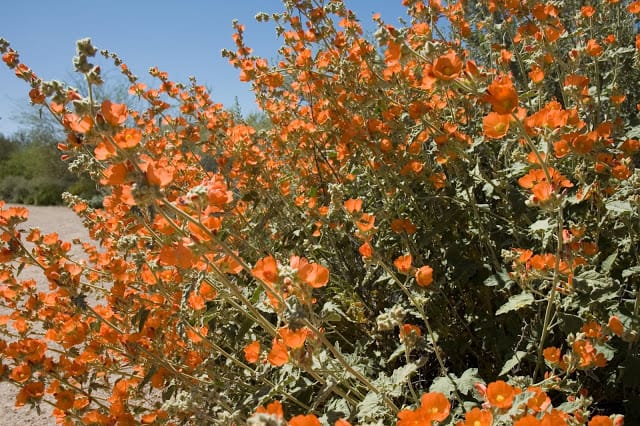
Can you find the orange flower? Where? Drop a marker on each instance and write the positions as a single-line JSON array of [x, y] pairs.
[[477, 417], [592, 329], [416, 417], [342, 422], [542, 192], [104, 150], [302, 420], [436, 404], [365, 250], [505, 56], [583, 143], [561, 148], [266, 269], [555, 418], [615, 325], [601, 421], [495, 125], [30, 391], [64, 400], [528, 420], [403, 263], [21, 373], [593, 48], [539, 401], [502, 95], [587, 11], [500, 394], [536, 74], [634, 7], [159, 175], [447, 67], [77, 124], [293, 339], [314, 274], [353, 205], [365, 222], [10, 58], [218, 193], [179, 255], [96, 417], [252, 352], [36, 96], [403, 225], [408, 330], [115, 174], [128, 138], [114, 114], [424, 276], [551, 355], [274, 408], [278, 355]]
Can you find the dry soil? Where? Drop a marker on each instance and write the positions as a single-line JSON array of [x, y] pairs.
[[68, 226]]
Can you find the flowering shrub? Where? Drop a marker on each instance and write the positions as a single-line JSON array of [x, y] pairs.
[[437, 226]]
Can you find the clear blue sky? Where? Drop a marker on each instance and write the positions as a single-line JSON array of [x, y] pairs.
[[182, 38]]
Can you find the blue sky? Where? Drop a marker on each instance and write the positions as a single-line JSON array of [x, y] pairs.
[[182, 38]]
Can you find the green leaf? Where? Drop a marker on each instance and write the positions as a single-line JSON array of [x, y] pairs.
[[501, 278], [332, 312], [619, 206], [609, 261], [466, 383], [540, 225], [371, 408], [400, 377], [516, 302], [631, 271], [443, 385], [512, 362], [400, 350], [394, 385], [593, 279]]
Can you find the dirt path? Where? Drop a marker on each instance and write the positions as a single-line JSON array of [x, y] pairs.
[[68, 226]]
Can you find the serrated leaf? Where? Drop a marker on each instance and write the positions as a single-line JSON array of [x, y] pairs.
[[401, 376], [512, 362], [609, 261], [394, 385], [619, 206], [400, 350], [631, 271], [332, 312], [443, 385], [516, 302], [466, 383], [593, 279], [371, 408], [540, 225], [501, 278]]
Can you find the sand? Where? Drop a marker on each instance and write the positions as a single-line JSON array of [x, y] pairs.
[[68, 226]]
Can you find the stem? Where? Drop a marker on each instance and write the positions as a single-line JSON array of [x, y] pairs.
[[559, 245], [427, 324], [365, 381]]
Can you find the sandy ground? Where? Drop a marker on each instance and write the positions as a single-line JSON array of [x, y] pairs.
[[68, 226]]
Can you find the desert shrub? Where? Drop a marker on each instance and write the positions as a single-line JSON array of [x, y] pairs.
[[45, 191], [418, 235], [14, 189], [33, 172]]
